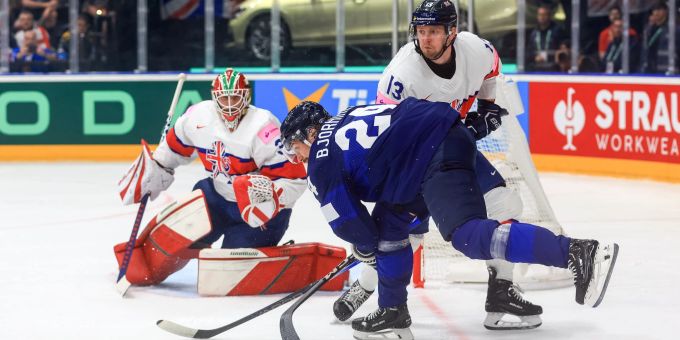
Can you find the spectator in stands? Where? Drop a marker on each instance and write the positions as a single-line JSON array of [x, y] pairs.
[[654, 57], [101, 26], [31, 56], [50, 21], [612, 61], [26, 22], [86, 44], [544, 41], [563, 57], [607, 35]]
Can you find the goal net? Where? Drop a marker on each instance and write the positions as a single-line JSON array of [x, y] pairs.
[[508, 151]]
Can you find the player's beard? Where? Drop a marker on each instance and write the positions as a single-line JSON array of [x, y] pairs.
[[435, 51], [431, 52]]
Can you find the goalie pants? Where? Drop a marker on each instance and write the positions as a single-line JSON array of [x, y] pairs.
[[455, 201], [226, 220]]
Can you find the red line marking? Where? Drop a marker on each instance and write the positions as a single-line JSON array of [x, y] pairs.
[[441, 314]]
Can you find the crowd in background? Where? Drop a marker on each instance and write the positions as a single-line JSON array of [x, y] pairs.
[[40, 35], [549, 44], [40, 38]]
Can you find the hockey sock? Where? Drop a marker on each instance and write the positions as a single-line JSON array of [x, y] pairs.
[[533, 244], [394, 269], [503, 269], [516, 242]]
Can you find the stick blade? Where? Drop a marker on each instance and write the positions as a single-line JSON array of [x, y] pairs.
[[177, 329], [286, 326], [123, 285]]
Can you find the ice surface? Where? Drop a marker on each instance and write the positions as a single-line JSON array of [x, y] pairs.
[[59, 222]]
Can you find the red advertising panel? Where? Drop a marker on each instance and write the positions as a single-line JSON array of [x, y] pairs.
[[624, 121]]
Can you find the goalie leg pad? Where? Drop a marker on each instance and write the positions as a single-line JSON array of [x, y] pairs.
[[164, 246], [268, 270]]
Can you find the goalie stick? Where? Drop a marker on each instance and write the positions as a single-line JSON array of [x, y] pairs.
[[189, 332], [122, 283]]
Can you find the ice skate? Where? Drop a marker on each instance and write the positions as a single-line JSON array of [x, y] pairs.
[[592, 265], [503, 298], [384, 323], [345, 306]]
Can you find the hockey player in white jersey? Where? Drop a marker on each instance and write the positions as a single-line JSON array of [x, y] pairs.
[[458, 68], [246, 197]]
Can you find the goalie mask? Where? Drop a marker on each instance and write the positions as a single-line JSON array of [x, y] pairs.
[[430, 13], [299, 122], [231, 95]]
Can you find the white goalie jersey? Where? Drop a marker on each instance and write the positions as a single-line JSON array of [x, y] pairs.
[[408, 75], [253, 148]]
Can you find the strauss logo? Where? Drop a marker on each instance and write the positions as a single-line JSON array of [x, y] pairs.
[[569, 118]]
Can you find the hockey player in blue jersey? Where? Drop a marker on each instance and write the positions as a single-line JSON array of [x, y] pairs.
[[416, 159]]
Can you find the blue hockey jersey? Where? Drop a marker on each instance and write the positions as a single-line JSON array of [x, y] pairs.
[[374, 153]]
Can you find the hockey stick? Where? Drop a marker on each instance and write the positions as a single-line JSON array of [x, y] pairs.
[[286, 322], [122, 283], [188, 332]]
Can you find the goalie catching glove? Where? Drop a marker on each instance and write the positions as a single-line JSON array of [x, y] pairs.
[[257, 198], [144, 176], [486, 119]]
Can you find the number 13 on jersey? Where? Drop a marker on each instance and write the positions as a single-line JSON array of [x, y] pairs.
[[398, 88]]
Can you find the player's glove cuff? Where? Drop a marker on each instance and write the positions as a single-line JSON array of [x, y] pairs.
[[367, 257]]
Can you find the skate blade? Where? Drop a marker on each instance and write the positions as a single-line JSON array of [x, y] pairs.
[[391, 333], [604, 266], [495, 322]]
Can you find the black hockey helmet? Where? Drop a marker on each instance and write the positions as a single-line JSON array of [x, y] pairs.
[[435, 12], [303, 117]]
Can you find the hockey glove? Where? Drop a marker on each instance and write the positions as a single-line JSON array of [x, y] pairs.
[[366, 257], [257, 199], [486, 119], [145, 175]]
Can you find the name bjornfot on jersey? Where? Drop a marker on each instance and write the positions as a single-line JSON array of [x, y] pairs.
[[323, 139]]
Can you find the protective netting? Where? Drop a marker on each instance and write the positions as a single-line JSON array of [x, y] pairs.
[[508, 151]]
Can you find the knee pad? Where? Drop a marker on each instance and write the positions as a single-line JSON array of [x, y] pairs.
[[163, 247], [502, 204], [474, 238]]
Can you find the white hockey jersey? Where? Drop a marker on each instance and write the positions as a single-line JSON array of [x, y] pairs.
[[253, 148], [408, 75]]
